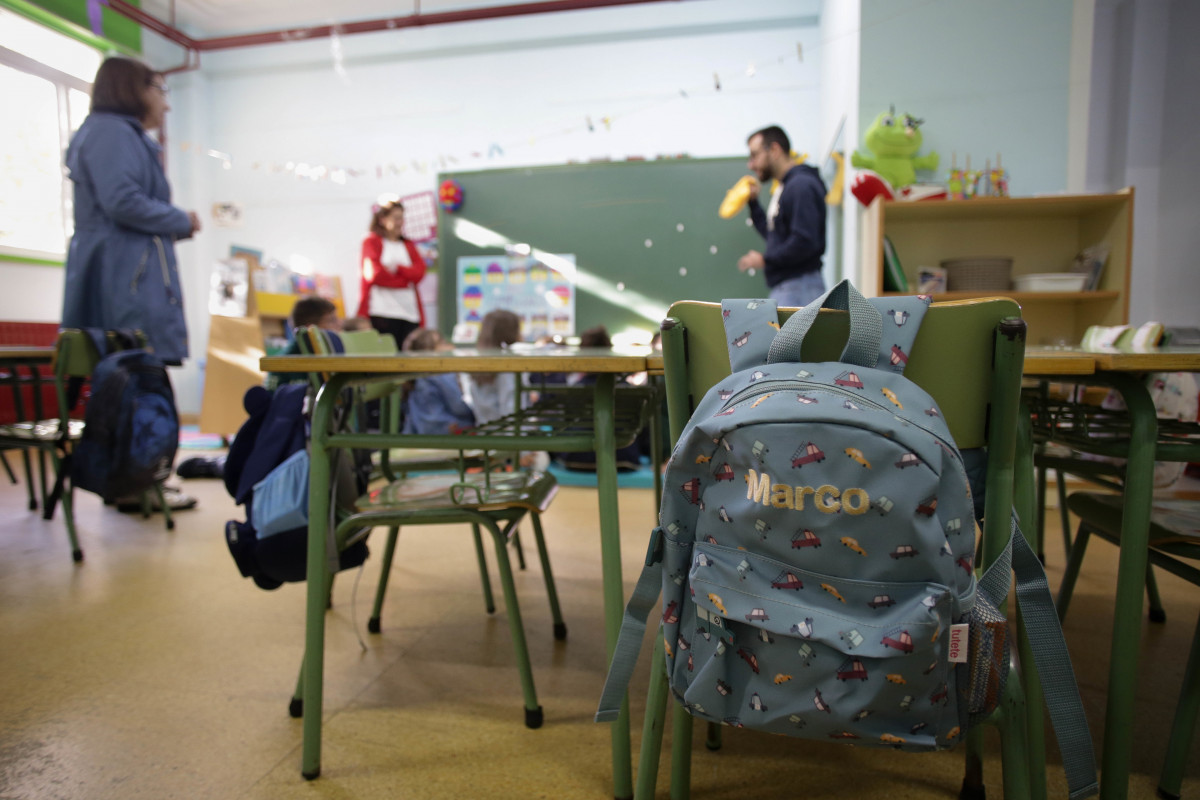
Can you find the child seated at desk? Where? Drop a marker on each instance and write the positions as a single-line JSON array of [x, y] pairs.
[[628, 457], [491, 395], [310, 310], [434, 404]]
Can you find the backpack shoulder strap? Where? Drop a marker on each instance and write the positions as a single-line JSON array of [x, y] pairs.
[[750, 327], [633, 629], [901, 321], [1053, 662]]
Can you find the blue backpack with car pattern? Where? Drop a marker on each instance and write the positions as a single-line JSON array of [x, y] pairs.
[[816, 544]]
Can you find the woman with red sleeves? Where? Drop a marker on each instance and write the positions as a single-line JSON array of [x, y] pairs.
[[391, 270]]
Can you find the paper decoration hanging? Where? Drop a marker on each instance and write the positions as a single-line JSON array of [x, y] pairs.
[[450, 195]]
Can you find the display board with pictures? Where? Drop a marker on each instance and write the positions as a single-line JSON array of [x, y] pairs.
[[543, 296]]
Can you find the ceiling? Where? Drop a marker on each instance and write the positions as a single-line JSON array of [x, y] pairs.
[[216, 18]]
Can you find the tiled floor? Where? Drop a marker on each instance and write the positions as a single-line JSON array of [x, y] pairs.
[[153, 670]]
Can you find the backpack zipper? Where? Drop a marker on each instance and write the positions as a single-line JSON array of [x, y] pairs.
[[766, 387]]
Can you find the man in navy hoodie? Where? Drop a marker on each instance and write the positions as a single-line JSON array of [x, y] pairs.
[[793, 223]]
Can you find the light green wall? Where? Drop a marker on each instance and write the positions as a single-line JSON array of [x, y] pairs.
[[987, 76]]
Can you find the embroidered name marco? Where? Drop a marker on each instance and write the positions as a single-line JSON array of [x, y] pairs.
[[827, 499]]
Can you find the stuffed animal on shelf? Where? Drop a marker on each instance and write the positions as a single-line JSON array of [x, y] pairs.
[[894, 140]]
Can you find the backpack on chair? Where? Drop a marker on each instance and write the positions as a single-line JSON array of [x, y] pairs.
[[131, 431], [816, 546], [270, 448]]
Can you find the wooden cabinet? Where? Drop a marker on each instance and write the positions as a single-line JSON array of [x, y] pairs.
[[235, 345], [1040, 234]]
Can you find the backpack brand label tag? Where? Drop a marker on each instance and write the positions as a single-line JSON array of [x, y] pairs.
[[959, 635]]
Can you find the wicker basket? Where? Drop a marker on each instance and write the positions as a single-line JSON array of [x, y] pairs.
[[977, 274]]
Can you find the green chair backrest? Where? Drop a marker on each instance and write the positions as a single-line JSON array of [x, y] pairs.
[[951, 358]]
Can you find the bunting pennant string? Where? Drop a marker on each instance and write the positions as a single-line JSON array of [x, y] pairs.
[[342, 173]]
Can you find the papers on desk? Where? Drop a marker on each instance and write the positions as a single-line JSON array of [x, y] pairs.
[[1180, 517]]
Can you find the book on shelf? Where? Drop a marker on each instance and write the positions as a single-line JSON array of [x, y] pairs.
[[1090, 262], [894, 279]]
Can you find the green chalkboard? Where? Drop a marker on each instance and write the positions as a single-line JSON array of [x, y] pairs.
[[643, 233]]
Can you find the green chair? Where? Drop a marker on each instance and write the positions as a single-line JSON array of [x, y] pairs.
[[1174, 539], [18, 376], [968, 356], [75, 358], [394, 464], [486, 499]]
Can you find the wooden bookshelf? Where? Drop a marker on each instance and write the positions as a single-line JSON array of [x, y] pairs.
[[1040, 234]]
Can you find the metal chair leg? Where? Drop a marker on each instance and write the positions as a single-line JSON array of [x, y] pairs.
[[373, 624], [1183, 728], [162, 503], [681, 753], [29, 481], [1074, 562], [1064, 513], [652, 726], [484, 579], [516, 629], [68, 506], [296, 706], [1157, 613], [560, 627], [515, 539]]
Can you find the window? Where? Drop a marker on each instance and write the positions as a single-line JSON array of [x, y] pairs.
[[47, 77]]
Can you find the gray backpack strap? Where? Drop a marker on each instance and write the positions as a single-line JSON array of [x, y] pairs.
[[1050, 655], [633, 629], [901, 320], [863, 344], [750, 327]]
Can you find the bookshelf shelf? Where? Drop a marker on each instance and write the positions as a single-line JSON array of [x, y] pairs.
[[1040, 234]]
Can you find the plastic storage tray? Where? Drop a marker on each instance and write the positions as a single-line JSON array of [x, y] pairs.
[[1050, 282]]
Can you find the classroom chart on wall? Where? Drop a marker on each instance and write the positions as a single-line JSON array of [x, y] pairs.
[[543, 296], [642, 234]]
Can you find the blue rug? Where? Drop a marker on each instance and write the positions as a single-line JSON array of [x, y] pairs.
[[190, 438], [641, 478]]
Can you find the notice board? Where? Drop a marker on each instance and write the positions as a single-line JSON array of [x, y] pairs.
[[642, 234]]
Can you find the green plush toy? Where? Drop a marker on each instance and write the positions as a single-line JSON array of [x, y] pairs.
[[895, 141]]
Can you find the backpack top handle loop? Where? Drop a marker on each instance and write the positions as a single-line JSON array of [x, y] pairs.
[[866, 327]]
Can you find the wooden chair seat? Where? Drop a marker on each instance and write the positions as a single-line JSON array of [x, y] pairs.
[[45, 430]]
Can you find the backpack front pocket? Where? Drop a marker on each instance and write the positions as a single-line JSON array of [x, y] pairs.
[[796, 648]]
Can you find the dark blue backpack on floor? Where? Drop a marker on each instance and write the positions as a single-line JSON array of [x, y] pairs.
[[275, 430], [132, 428]]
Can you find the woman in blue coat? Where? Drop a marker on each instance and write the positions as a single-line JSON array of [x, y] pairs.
[[121, 270]]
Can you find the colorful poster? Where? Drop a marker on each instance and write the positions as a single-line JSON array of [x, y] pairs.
[[541, 295]]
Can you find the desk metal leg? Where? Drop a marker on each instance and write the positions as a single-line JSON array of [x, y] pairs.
[[317, 572], [1131, 578], [610, 559]]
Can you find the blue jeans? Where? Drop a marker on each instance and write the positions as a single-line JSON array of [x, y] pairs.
[[798, 291]]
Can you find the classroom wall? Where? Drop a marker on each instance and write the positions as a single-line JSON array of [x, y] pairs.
[[986, 77], [1176, 275], [840, 22], [1141, 134], [396, 108]]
